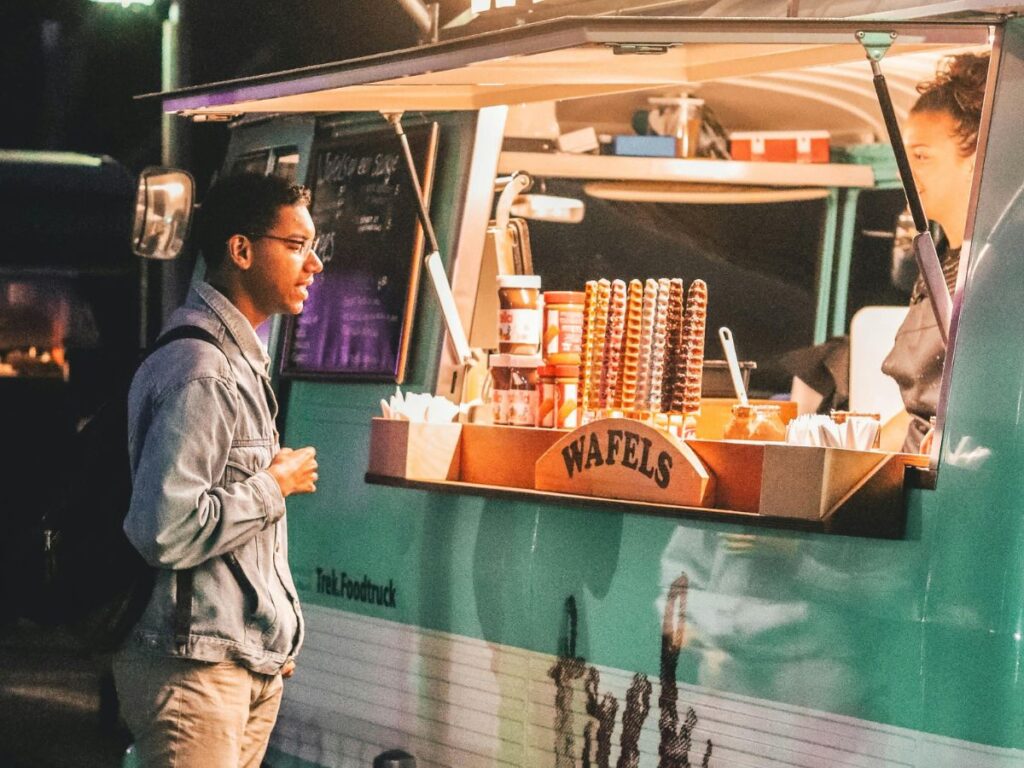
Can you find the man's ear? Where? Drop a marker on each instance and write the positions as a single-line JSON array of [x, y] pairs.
[[240, 251]]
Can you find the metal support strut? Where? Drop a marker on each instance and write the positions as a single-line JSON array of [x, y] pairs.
[[435, 267], [876, 44]]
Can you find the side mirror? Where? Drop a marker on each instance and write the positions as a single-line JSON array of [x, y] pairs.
[[163, 212]]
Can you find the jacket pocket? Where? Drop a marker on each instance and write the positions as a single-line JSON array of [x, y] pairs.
[[244, 461]]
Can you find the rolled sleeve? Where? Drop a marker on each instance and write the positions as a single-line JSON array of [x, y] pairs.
[[273, 499]]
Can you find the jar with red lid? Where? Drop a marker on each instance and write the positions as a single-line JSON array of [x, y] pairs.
[[519, 314], [563, 327], [567, 382]]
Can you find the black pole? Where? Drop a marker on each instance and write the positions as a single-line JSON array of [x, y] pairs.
[[896, 139], [395, 118]]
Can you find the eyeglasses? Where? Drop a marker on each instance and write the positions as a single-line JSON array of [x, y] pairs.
[[303, 247]]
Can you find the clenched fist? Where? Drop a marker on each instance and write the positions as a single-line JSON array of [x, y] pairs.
[[295, 470]]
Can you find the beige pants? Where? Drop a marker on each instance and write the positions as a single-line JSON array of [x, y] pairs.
[[193, 714]]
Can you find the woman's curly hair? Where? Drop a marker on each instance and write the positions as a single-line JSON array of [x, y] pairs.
[[957, 90]]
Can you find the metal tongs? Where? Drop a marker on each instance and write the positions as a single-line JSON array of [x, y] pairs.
[[876, 44]]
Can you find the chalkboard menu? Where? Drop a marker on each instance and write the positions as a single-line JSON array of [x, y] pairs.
[[357, 320]]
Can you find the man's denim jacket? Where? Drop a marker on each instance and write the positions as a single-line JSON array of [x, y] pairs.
[[201, 434]]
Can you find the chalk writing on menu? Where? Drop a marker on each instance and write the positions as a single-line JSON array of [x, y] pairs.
[[357, 320]]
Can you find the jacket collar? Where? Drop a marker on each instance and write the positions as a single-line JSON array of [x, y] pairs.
[[204, 296]]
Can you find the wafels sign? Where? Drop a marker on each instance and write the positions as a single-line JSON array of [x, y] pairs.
[[625, 459]]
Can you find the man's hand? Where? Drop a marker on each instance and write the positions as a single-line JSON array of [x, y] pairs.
[[288, 669], [295, 470]]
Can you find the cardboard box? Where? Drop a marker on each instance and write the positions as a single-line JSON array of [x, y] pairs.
[[780, 146], [782, 480], [414, 451]]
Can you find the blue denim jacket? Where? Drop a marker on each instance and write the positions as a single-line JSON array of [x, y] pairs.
[[201, 434]]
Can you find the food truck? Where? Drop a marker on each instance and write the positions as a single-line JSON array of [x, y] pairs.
[[632, 589]]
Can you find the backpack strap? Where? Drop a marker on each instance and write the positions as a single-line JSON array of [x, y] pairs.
[[184, 332], [184, 588]]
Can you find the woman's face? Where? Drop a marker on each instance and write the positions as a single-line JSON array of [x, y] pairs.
[[942, 173]]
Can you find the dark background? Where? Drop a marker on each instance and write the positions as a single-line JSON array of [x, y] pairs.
[[69, 69]]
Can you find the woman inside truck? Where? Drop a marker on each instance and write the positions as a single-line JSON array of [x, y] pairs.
[[941, 136]]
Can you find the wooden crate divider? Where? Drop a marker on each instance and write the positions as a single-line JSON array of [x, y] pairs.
[[625, 459]]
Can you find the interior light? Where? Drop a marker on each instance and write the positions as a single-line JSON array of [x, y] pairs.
[[125, 3], [479, 6], [504, 3]]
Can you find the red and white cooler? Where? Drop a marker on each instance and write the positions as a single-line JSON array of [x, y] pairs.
[[780, 146]]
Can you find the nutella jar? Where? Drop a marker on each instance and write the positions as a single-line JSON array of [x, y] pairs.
[[522, 391], [567, 383], [546, 396], [519, 314], [501, 379], [563, 327]]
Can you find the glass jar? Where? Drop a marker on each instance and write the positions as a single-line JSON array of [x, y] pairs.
[[522, 398], [563, 327], [755, 422], [567, 384], [501, 378], [519, 314], [767, 424], [546, 397], [738, 426]]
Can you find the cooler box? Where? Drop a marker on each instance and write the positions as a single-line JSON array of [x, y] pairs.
[[780, 146]]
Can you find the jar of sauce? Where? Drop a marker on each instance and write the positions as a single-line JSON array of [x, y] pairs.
[[522, 392], [519, 314], [501, 379], [767, 424], [755, 422], [546, 396], [563, 327], [567, 382]]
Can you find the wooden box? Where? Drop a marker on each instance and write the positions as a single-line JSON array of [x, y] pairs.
[[493, 454], [413, 450], [780, 480]]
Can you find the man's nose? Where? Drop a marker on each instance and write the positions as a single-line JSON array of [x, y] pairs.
[[313, 263]]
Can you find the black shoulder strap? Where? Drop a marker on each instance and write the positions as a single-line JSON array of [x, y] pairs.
[[184, 332], [184, 578]]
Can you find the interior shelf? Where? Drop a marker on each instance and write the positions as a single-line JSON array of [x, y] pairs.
[[646, 169]]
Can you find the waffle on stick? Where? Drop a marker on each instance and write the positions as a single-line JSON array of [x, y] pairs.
[[658, 345], [587, 352], [616, 330], [630, 365], [694, 326], [598, 331], [648, 312], [673, 341]]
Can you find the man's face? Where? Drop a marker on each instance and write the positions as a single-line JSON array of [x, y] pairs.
[[279, 279]]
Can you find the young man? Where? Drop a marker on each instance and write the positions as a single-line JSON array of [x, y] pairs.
[[200, 677]]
